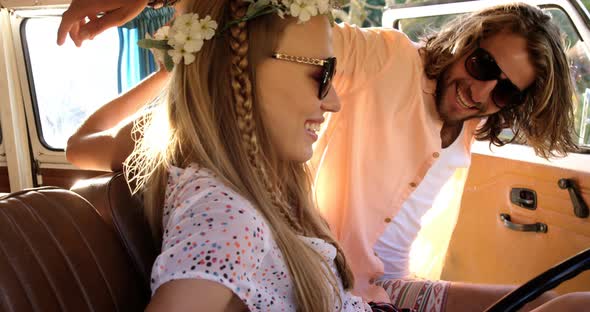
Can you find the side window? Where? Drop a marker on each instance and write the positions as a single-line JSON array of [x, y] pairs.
[[579, 58], [578, 54], [583, 116], [415, 28], [67, 83]]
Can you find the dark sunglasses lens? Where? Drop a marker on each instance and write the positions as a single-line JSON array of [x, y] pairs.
[[481, 65], [506, 95], [327, 75]]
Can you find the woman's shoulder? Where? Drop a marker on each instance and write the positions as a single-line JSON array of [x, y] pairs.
[[211, 232], [196, 190]]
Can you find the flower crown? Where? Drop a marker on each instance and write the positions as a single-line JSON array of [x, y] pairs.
[[187, 33]]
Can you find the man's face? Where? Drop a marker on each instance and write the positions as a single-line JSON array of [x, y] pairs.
[[463, 97]]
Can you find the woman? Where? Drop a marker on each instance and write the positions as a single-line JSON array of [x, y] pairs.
[[226, 155], [275, 117]]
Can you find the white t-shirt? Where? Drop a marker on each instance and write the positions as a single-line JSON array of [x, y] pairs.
[[394, 245], [213, 233]]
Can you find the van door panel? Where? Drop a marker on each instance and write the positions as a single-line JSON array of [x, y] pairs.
[[483, 250]]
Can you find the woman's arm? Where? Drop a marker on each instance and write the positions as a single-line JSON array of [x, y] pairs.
[[104, 141], [194, 295]]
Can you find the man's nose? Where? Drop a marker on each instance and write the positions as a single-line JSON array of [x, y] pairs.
[[481, 91], [331, 103]]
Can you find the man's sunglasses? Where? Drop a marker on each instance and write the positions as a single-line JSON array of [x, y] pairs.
[[482, 66], [328, 69]]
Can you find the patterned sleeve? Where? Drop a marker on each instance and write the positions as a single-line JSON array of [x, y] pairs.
[[212, 234], [417, 294]]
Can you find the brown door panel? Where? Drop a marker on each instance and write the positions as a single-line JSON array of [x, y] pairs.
[[65, 177], [483, 250]]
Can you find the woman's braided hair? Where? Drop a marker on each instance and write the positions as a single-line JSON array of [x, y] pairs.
[[242, 89], [242, 92], [214, 120]]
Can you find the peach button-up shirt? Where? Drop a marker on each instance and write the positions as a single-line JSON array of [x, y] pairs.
[[378, 148]]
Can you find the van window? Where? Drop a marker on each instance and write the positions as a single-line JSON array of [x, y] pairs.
[[579, 58], [416, 28], [67, 83]]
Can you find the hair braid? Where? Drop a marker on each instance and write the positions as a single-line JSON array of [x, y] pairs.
[[242, 91]]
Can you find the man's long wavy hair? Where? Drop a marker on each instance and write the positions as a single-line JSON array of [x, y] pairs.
[[211, 116], [545, 120]]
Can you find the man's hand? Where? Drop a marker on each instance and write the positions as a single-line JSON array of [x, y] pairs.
[[116, 13]]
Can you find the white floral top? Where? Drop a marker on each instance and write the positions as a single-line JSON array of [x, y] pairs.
[[212, 233]]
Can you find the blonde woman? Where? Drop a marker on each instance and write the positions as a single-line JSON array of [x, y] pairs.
[[221, 162], [237, 136]]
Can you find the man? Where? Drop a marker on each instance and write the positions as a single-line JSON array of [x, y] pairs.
[[409, 115]]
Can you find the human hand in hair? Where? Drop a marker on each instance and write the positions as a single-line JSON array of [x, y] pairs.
[[101, 14]]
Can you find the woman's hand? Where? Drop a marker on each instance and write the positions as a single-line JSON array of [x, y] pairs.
[[114, 13]]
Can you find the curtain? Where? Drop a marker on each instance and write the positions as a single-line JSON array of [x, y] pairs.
[[136, 63]]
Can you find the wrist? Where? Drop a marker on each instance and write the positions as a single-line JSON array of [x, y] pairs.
[[162, 73]]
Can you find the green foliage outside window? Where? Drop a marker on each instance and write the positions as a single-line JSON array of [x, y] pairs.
[[368, 12]]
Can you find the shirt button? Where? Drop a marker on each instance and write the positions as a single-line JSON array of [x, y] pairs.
[[387, 220], [436, 154], [413, 184]]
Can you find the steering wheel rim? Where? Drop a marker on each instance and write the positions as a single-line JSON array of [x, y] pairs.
[[547, 280]]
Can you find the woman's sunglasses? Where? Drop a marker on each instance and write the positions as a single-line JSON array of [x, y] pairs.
[[328, 69], [482, 66]]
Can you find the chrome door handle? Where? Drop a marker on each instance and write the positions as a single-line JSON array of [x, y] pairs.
[[533, 227]]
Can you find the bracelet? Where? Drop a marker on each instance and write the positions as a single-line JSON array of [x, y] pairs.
[[156, 4]]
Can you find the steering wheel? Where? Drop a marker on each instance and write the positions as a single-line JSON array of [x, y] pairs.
[[548, 280]]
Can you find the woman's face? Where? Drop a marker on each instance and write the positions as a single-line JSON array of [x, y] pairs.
[[292, 111]]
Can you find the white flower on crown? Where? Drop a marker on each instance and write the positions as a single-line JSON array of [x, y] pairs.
[[304, 9], [185, 22], [323, 6], [208, 27], [186, 40], [162, 33], [301, 9], [179, 54], [187, 35]]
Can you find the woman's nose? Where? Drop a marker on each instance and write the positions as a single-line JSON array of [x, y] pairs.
[[331, 103]]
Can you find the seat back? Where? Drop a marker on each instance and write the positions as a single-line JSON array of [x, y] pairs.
[[58, 254], [110, 195]]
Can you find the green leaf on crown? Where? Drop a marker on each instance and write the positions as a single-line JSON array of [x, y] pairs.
[[154, 44]]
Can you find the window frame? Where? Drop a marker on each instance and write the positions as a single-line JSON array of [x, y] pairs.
[[32, 91], [42, 156], [16, 154]]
